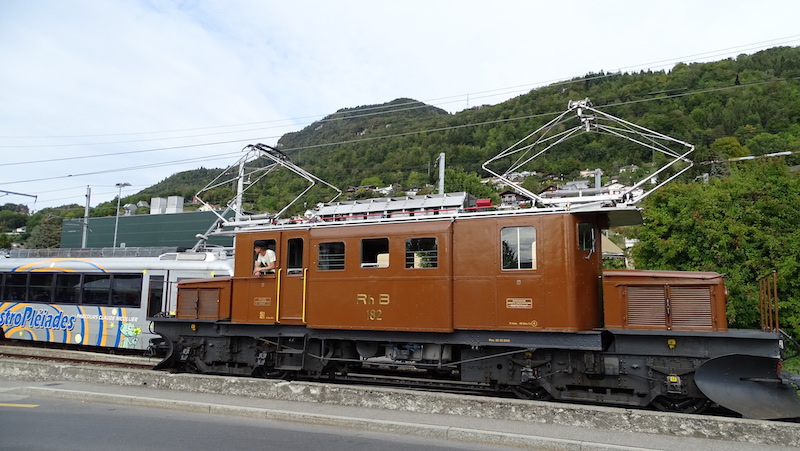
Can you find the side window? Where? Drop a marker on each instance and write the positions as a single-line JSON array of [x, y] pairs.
[[586, 236], [269, 255], [294, 256], [422, 253], [518, 247], [330, 256], [375, 253], [127, 290], [16, 286], [68, 289], [41, 287], [96, 289]]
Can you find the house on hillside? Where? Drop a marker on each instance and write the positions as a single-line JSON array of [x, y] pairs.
[[514, 199], [587, 173]]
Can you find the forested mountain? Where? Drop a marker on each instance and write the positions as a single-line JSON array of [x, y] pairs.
[[752, 103]]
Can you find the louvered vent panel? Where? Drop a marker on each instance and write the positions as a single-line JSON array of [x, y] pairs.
[[646, 307], [187, 303], [691, 307], [209, 303]]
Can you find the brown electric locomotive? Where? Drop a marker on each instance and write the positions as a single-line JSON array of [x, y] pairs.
[[505, 298]]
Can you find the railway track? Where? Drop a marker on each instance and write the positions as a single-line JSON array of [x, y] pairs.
[[372, 376], [69, 356]]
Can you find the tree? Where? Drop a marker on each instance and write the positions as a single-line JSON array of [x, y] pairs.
[[46, 234], [416, 180], [743, 226], [10, 220], [728, 147], [5, 241], [458, 180], [372, 181]]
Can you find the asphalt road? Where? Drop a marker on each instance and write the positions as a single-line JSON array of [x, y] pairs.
[[78, 406], [32, 423]]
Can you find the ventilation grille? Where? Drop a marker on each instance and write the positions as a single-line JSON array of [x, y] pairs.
[[647, 307], [208, 303], [187, 303], [691, 307], [670, 307]]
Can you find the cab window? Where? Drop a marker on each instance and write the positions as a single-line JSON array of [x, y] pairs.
[[294, 256], [518, 247], [586, 236]]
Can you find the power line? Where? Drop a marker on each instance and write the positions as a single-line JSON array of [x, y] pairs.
[[131, 152], [429, 102], [223, 156], [351, 141]]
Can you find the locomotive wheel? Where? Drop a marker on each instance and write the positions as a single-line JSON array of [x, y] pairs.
[[532, 393], [681, 404], [261, 371], [439, 373], [266, 372], [190, 367]]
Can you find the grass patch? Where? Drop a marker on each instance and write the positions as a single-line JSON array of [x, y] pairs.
[[792, 365]]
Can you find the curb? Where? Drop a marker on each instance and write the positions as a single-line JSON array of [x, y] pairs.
[[388, 427], [603, 418]]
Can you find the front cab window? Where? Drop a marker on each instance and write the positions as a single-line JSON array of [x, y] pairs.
[[586, 236]]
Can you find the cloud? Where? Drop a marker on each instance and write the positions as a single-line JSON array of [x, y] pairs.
[[140, 79]]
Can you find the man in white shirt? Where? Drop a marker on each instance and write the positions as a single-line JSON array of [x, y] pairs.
[[265, 258]]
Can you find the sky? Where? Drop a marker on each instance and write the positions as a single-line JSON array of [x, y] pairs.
[[94, 93]]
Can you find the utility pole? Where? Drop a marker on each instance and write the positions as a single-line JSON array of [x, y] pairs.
[[116, 220], [441, 173], [85, 236]]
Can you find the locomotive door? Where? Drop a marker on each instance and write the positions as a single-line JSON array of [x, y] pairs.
[[587, 264], [292, 272]]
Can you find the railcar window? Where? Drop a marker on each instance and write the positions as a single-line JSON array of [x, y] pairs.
[[127, 290], [15, 287], [73, 288], [68, 288], [518, 247], [96, 288], [114, 289], [375, 253], [422, 253], [330, 256], [41, 287], [155, 297], [586, 236], [294, 256]]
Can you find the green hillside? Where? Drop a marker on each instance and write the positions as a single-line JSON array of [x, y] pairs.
[[751, 103]]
